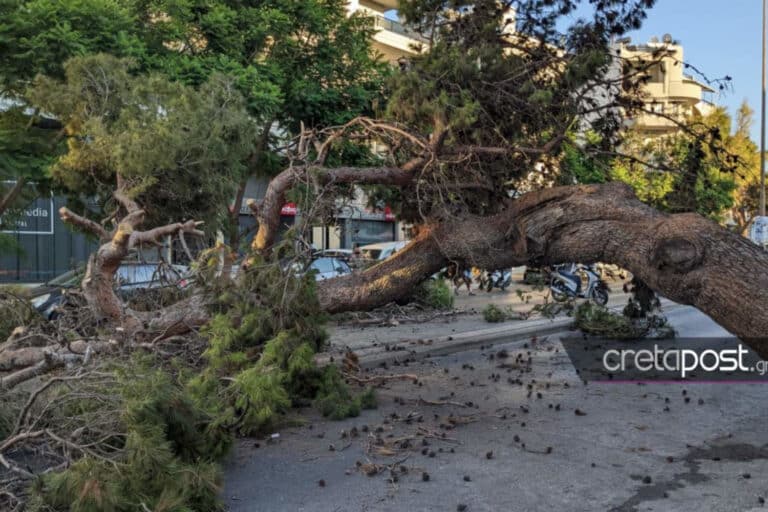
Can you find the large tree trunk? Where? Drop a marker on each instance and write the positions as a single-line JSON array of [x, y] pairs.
[[683, 257]]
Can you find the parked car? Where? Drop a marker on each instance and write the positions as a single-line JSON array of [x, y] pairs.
[[130, 278], [328, 268], [46, 297], [342, 254], [382, 251]]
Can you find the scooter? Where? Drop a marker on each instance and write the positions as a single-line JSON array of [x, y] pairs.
[[500, 279], [566, 283]]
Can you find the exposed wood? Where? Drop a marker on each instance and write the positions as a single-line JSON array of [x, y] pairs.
[[83, 223], [98, 282]]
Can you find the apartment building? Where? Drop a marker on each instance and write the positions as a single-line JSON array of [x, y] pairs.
[[392, 39], [670, 94]]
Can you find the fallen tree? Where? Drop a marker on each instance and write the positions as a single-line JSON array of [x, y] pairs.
[[685, 257], [98, 282], [462, 136], [477, 137]]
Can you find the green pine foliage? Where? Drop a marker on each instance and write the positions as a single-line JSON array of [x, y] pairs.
[[493, 314], [435, 293], [262, 343], [334, 399], [598, 320], [199, 70], [165, 448]]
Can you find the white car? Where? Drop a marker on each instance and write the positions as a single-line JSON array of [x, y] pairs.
[[382, 251]]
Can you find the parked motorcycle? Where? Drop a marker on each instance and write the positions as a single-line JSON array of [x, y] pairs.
[[566, 283], [500, 279]]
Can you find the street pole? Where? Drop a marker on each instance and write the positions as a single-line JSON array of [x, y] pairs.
[[762, 126]]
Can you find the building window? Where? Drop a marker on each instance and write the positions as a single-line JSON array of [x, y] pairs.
[[364, 232]]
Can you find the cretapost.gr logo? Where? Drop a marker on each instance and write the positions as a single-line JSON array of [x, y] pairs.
[[705, 359]]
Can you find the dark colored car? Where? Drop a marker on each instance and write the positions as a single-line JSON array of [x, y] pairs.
[[130, 278]]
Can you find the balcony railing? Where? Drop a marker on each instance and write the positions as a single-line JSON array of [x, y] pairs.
[[396, 27]]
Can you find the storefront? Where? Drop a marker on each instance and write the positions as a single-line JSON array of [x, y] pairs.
[[359, 226], [45, 246], [249, 226]]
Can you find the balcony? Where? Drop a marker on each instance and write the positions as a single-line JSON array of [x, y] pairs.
[[686, 89], [380, 5], [395, 26], [392, 40]]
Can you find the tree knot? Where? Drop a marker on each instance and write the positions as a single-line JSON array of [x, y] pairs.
[[681, 255]]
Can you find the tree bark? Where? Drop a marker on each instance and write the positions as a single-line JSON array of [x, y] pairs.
[[684, 257], [268, 210], [99, 279]]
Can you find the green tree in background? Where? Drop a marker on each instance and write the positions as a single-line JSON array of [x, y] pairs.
[[746, 196], [180, 149], [291, 62], [26, 150], [708, 167]]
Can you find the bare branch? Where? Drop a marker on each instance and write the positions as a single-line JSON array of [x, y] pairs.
[[268, 211], [153, 235], [70, 217]]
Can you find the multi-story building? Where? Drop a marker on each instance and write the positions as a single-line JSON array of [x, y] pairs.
[[392, 39], [670, 96]]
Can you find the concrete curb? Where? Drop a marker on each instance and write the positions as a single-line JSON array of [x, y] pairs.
[[443, 345], [467, 340]]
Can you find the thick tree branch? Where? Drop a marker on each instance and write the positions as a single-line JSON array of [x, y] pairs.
[[268, 210], [121, 196], [100, 272], [69, 217], [153, 235]]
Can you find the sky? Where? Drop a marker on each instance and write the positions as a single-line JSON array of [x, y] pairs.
[[719, 38]]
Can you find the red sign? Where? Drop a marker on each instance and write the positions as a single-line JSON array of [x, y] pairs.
[[289, 209], [388, 215]]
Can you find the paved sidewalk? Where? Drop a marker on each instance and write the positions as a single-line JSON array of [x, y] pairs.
[[465, 329]]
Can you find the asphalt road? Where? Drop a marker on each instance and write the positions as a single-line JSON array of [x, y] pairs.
[[519, 435]]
